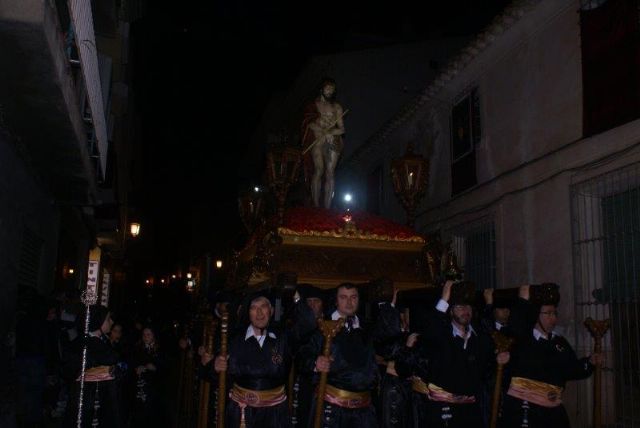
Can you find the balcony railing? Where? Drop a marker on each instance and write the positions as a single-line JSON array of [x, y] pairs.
[[76, 22]]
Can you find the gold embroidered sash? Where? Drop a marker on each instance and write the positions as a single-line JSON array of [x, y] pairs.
[[536, 392]]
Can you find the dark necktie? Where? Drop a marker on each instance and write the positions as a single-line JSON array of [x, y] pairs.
[[350, 322]]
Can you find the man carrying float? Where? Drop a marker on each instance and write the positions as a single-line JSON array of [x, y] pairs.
[[258, 363], [543, 362]]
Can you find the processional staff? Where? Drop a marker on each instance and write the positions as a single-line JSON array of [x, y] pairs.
[[222, 376], [188, 401], [205, 336], [503, 344], [210, 330], [182, 390], [89, 298], [597, 328], [329, 330], [290, 387]]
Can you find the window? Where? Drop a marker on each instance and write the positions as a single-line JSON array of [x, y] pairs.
[[606, 259], [610, 43], [465, 136]]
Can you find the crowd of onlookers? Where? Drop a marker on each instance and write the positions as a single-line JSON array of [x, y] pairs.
[[50, 338]]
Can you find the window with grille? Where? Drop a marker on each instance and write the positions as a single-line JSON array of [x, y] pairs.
[[606, 255], [475, 247]]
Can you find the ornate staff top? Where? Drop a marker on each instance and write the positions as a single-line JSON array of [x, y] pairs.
[[89, 297], [330, 328], [597, 328], [503, 343]]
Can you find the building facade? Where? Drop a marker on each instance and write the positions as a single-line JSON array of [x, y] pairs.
[[533, 138], [63, 134]]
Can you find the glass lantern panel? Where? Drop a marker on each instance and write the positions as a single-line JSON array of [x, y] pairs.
[[290, 169], [413, 174]]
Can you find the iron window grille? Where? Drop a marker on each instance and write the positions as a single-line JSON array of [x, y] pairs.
[[606, 263], [475, 247]]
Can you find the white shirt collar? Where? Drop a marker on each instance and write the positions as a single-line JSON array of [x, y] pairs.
[[356, 321], [458, 332], [499, 325], [260, 339], [537, 334]]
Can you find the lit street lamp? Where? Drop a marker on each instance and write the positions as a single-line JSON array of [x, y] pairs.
[[134, 228]]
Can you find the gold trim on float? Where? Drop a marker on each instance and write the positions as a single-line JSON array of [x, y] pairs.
[[329, 240], [349, 233]]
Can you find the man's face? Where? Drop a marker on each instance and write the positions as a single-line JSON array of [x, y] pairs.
[[147, 336], [106, 324], [347, 301], [221, 307], [315, 303], [328, 91], [548, 318], [116, 333], [260, 313], [462, 314], [502, 315]]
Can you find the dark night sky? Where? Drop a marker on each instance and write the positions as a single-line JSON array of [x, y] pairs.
[[203, 73]]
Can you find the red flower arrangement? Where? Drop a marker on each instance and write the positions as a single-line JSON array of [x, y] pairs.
[[316, 221]]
